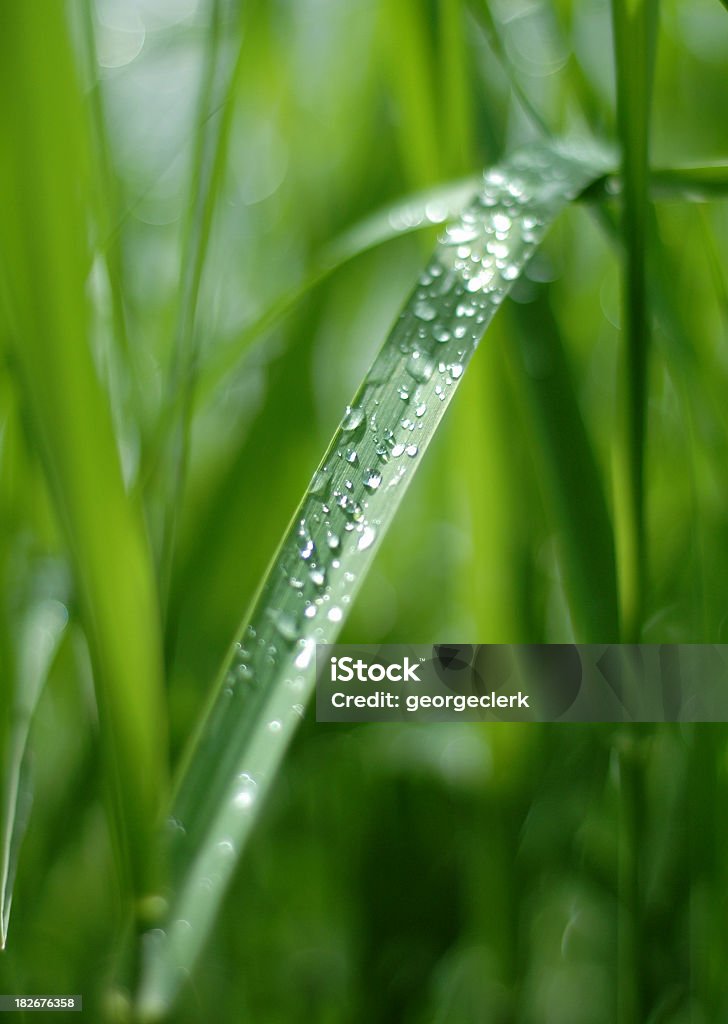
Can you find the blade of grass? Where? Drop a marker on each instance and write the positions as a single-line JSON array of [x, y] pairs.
[[455, 86], [109, 200], [332, 540], [484, 17], [572, 488], [420, 211], [407, 55], [210, 158], [575, 499], [632, 1003], [697, 183], [497, 591], [44, 264], [40, 636], [635, 30], [205, 564]]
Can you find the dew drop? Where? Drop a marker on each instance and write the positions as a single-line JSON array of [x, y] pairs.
[[498, 249], [317, 577], [372, 479], [456, 371], [367, 538], [308, 648], [353, 418], [419, 367], [420, 410], [319, 482], [480, 281], [245, 794], [458, 234], [425, 310], [501, 222], [274, 726], [411, 450], [441, 334], [397, 451], [285, 624], [334, 615]]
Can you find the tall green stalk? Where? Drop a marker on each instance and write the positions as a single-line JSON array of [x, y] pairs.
[[45, 262], [635, 29], [209, 162]]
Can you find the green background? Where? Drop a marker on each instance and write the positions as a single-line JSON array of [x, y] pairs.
[[488, 873]]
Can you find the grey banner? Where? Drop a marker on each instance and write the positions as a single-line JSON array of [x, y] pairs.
[[522, 682]]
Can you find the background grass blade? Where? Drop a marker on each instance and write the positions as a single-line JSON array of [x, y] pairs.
[[699, 182], [219, 82], [334, 535], [484, 17], [418, 212], [572, 491], [44, 264], [40, 636], [635, 27]]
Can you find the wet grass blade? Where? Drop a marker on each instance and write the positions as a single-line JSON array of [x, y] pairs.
[[44, 266], [333, 538]]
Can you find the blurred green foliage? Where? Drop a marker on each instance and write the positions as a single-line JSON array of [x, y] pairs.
[[447, 874]]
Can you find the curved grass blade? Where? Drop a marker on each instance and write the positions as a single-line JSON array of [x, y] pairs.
[[417, 212], [333, 538], [41, 636]]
